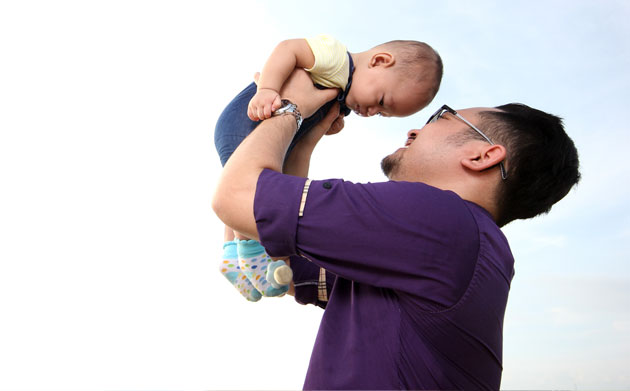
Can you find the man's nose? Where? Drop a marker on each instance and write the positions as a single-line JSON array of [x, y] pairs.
[[412, 133]]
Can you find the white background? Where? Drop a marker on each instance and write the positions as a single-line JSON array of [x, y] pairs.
[[109, 247]]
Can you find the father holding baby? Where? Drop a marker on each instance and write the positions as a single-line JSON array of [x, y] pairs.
[[414, 273]]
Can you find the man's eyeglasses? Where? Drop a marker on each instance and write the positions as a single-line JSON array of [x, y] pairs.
[[444, 109]]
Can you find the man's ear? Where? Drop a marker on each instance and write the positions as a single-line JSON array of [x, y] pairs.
[[485, 157], [384, 59]]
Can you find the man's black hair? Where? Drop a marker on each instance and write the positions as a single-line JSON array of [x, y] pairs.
[[542, 161]]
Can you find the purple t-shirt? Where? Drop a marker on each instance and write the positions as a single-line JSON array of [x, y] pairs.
[[422, 281]]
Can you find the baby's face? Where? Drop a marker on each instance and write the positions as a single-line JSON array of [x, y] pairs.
[[387, 92]]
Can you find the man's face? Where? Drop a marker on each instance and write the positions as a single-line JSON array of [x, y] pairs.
[[431, 152]]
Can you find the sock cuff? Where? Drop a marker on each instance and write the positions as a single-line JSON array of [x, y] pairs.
[[249, 248], [229, 250]]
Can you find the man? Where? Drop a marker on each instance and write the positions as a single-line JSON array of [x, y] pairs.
[[414, 273]]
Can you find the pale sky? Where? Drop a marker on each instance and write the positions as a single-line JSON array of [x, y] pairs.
[[109, 247]]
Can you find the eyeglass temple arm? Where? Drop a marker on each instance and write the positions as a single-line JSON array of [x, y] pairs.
[[501, 166]]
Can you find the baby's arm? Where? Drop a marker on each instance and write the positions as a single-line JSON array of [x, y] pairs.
[[288, 55]]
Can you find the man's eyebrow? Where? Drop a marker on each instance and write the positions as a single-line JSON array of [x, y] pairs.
[[449, 117]]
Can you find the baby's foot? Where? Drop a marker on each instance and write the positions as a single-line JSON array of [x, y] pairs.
[[254, 261], [232, 271]]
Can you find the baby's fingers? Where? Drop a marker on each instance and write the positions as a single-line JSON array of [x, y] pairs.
[[260, 112], [253, 112], [267, 110], [273, 106], [276, 104]]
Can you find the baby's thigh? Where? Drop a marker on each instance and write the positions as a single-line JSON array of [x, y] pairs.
[[233, 124]]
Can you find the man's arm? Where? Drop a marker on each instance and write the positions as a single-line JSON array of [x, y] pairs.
[[298, 161], [265, 148], [310, 284]]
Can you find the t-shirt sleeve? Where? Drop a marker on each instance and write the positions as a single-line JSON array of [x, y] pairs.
[[406, 236], [332, 66]]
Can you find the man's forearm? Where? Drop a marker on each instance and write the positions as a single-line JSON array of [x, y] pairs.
[[298, 161], [264, 148]]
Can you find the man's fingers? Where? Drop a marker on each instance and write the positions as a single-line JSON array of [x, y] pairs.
[[330, 117], [336, 126]]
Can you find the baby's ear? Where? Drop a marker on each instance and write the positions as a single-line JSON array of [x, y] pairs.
[[380, 59]]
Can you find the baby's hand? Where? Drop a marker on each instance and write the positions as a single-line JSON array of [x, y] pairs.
[[265, 102]]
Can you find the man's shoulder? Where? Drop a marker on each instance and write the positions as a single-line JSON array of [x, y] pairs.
[[411, 192], [494, 246], [415, 203], [419, 192]]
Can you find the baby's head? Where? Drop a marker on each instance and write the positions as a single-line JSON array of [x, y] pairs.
[[395, 79]]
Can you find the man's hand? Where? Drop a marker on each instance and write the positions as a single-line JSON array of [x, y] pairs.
[[299, 160], [299, 89], [332, 123], [336, 126], [233, 201], [263, 104]]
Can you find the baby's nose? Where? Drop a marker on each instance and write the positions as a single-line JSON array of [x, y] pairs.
[[372, 111]]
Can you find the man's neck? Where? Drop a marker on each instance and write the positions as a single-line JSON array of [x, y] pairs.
[[478, 190]]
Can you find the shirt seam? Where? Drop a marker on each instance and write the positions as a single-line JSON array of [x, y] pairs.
[[304, 283], [307, 185], [473, 278], [322, 288]]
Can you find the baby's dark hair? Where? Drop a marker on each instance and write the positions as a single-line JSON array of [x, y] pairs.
[[419, 61]]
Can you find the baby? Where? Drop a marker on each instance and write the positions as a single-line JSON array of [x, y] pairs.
[[394, 79]]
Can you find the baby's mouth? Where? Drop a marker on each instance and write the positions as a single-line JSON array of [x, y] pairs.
[[357, 111]]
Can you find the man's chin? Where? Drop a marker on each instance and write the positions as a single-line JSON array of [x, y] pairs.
[[389, 164]]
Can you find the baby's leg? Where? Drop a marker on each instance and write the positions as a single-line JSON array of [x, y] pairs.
[[232, 127], [231, 270]]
